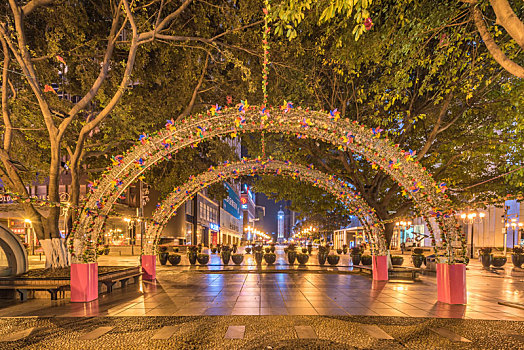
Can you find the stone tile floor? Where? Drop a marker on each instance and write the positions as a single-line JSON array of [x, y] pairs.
[[181, 293]]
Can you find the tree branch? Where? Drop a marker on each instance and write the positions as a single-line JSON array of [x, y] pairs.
[[8, 132], [189, 107], [33, 4], [509, 20], [493, 48]]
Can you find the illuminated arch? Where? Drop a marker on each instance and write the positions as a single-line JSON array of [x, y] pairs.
[[324, 126], [339, 188]]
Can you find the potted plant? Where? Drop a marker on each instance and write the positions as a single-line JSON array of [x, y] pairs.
[[226, 254], [203, 259], [498, 261], [174, 259], [248, 250], [163, 255], [257, 251], [397, 260], [302, 258], [270, 258], [304, 250], [214, 250], [339, 251], [106, 249], [237, 258], [291, 254], [517, 258], [333, 259], [219, 248], [175, 249], [345, 248], [417, 257], [366, 260], [310, 248], [200, 245], [192, 252], [322, 254], [235, 248], [486, 257], [356, 255], [272, 247]]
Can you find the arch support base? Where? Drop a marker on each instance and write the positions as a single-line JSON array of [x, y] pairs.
[[380, 267], [84, 282], [451, 283], [148, 267]]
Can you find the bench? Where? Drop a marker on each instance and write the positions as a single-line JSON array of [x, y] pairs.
[[364, 268], [413, 271], [109, 282], [22, 289]]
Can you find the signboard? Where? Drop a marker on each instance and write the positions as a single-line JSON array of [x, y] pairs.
[[214, 227], [232, 202], [243, 200]]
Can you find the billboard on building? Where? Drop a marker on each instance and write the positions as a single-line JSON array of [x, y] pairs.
[[232, 202]]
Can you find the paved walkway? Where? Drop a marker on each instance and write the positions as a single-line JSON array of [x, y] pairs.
[[183, 293], [258, 332]]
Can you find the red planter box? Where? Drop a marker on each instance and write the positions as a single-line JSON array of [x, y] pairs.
[[84, 282], [451, 283], [380, 268], [148, 267]]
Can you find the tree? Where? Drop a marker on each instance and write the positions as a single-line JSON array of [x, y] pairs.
[[423, 80], [90, 50]]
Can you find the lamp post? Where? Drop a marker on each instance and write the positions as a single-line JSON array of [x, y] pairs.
[[469, 218], [29, 234], [516, 226], [402, 226]]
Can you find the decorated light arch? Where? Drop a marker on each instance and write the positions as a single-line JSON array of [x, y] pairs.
[[230, 122], [339, 188]]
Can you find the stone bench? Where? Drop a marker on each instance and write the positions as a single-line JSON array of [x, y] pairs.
[[23, 289], [110, 281]]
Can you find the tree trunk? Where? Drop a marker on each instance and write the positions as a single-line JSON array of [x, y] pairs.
[[54, 246], [388, 232]]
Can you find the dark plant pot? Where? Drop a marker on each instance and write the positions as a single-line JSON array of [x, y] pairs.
[[270, 258], [344, 250], [203, 259], [333, 259], [174, 259], [226, 255], [213, 250], [322, 258], [291, 256], [499, 261], [356, 258], [309, 249], [163, 258], [106, 251], [248, 250], [417, 260], [219, 250], [304, 250], [366, 260], [272, 248], [302, 258], [234, 249], [267, 250], [237, 258], [192, 256], [517, 260], [339, 251], [486, 260], [397, 260], [258, 257]]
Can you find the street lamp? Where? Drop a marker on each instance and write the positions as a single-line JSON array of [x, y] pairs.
[[402, 226], [514, 224], [29, 234], [469, 218]]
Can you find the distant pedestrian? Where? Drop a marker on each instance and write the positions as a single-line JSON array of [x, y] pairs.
[[402, 247]]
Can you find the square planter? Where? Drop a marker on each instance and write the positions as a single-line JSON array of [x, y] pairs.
[[380, 267], [84, 282], [148, 267], [451, 283]]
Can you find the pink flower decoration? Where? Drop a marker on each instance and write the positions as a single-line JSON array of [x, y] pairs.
[[368, 23]]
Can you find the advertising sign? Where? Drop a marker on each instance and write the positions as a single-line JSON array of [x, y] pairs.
[[232, 202]]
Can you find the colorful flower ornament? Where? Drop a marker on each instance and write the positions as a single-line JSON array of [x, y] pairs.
[[334, 115]]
